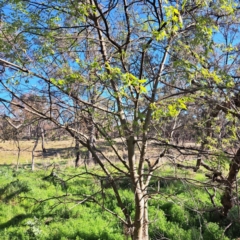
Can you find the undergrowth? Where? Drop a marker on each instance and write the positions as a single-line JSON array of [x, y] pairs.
[[56, 205]]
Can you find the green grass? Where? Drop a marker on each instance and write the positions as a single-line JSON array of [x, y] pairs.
[[24, 211], [36, 205]]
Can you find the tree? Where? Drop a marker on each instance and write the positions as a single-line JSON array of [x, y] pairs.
[[154, 65], [28, 125]]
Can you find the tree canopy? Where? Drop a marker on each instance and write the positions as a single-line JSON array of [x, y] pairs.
[[151, 72]]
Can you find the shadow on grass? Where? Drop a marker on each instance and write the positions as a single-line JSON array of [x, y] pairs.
[[15, 220], [13, 189], [63, 152]]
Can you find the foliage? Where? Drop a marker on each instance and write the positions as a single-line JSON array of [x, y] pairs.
[[150, 73]]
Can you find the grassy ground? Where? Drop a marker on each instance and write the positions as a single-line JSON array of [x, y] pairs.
[[63, 152], [63, 149], [35, 205], [56, 150]]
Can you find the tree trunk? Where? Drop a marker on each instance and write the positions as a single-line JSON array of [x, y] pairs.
[[91, 130], [19, 150], [227, 198], [77, 153], [43, 140], [34, 147], [29, 132], [91, 127], [91, 139], [141, 216], [140, 225]]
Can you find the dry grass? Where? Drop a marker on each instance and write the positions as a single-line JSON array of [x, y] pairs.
[[56, 150], [63, 151]]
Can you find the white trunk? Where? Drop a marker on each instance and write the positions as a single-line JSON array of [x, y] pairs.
[[140, 231], [33, 150], [141, 216]]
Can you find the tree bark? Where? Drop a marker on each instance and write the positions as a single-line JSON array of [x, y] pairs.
[[77, 153], [141, 216], [91, 130], [43, 140], [140, 225], [29, 132], [227, 198]]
